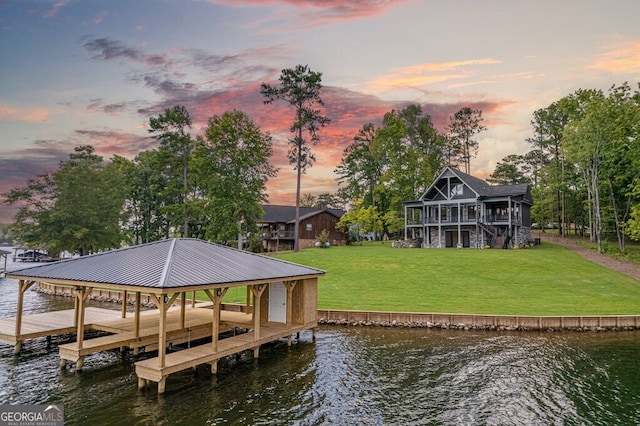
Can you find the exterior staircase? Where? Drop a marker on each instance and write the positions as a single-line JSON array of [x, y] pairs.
[[496, 241]]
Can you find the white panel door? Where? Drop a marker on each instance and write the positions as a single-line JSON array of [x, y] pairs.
[[277, 303]]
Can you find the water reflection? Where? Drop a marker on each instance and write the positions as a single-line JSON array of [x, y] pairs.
[[350, 375]]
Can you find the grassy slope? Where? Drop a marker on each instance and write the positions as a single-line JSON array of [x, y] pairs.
[[546, 280]]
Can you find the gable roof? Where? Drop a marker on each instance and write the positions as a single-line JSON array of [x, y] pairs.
[[287, 214], [483, 189], [169, 264]]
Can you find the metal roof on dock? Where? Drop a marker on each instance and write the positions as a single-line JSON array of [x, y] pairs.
[[169, 264]]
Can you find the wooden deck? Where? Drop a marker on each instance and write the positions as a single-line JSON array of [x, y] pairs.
[[150, 369], [198, 324], [51, 323]]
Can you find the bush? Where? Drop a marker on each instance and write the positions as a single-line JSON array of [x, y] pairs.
[[323, 239]]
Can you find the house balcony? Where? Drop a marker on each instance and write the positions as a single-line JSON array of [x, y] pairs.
[[491, 219], [279, 235]]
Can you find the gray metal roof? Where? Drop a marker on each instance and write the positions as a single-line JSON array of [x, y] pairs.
[[287, 214], [484, 189], [169, 264]]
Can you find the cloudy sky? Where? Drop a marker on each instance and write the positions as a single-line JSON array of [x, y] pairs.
[[75, 72]]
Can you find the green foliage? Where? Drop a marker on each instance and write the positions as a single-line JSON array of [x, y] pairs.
[[633, 224], [590, 147], [463, 126], [231, 168], [509, 171], [323, 238], [174, 155], [547, 280], [300, 88], [76, 208]]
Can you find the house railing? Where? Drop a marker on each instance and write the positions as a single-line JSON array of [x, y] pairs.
[[490, 219], [279, 235]]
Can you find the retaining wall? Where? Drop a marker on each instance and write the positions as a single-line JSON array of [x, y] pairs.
[[484, 322]]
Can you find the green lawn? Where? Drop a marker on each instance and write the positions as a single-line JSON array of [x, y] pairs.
[[545, 280]]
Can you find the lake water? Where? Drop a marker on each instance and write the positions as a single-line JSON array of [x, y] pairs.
[[349, 375]]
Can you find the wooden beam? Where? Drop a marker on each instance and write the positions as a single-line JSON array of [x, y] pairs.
[[136, 324], [183, 305], [81, 295], [22, 287], [156, 299], [289, 285], [124, 303], [162, 330], [257, 291], [215, 327]]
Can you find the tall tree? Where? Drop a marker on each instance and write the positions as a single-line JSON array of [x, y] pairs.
[[231, 168], [463, 126], [361, 165], [176, 145], [149, 203], [77, 208], [412, 152], [585, 144], [509, 171], [300, 88]]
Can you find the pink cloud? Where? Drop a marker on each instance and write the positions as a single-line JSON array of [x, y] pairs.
[[619, 59], [425, 74], [316, 13], [32, 115]]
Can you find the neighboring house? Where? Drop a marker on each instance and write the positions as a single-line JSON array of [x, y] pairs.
[[277, 226], [459, 210]]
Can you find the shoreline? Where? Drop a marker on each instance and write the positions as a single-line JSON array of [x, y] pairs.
[[447, 321]]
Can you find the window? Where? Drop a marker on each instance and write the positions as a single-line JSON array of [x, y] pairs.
[[456, 189], [309, 227], [443, 214], [471, 212]]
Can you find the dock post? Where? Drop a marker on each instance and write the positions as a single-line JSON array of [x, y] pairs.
[[289, 340], [214, 367], [256, 352], [17, 347], [161, 385], [142, 383]]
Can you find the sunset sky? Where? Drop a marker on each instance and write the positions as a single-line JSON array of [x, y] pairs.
[[76, 72]]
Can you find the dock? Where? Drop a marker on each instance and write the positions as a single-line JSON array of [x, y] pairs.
[[281, 301], [51, 324]]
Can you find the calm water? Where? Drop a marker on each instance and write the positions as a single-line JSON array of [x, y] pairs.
[[348, 376]]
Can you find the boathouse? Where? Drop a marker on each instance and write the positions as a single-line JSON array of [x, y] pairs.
[[281, 301]]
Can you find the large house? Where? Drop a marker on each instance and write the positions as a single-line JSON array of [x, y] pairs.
[[459, 210], [278, 223]]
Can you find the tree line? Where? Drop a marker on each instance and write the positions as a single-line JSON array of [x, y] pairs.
[[209, 187], [584, 169], [584, 165]]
